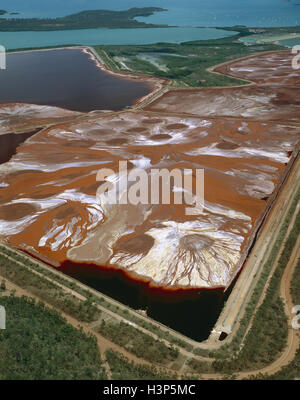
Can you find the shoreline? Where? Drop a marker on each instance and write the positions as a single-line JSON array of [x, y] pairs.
[[154, 82], [227, 34]]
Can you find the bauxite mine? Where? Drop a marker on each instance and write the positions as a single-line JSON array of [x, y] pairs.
[[244, 138]]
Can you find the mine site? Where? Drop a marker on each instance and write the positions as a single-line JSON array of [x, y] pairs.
[[245, 138], [161, 285]]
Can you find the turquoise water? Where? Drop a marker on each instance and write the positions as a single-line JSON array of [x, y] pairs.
[[180, 12], [290, 42], [187, 14], [18, 40]]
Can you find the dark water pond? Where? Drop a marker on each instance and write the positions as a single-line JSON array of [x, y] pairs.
[[66, 78], [9, 143], [190, 312]]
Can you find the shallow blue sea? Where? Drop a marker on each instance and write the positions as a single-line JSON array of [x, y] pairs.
[[185, 13], [180, 12], [22, 40]]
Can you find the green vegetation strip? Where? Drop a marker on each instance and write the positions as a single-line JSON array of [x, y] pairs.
[[138, 343], [124, 369]]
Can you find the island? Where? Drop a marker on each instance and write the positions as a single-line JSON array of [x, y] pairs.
[[83, 20]]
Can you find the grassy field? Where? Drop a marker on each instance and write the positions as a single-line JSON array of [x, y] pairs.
[[138, 343], [186, 63], [123, 369]]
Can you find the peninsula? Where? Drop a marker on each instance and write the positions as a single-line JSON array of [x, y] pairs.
[[83, 20]]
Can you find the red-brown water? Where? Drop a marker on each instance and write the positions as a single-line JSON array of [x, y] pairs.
[[66, 78]]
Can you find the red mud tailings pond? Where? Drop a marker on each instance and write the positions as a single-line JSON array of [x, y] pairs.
[[67, 78], [182, 263]]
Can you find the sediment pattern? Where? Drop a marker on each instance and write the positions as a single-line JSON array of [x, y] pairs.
[[244, 138]]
